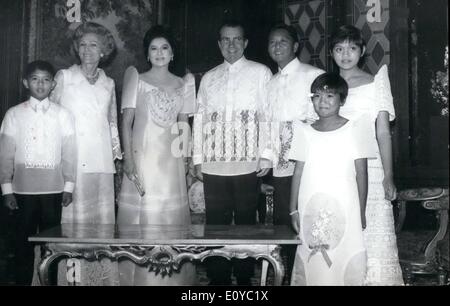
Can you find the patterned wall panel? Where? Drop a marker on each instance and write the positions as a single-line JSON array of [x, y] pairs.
[[376, 35], [314, 22], [310, 20]]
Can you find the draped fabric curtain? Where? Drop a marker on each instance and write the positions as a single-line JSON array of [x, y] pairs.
[[13, 51], [128, 20], [39, 29]]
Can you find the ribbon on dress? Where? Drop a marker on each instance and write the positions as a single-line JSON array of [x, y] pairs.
[[322, 248]]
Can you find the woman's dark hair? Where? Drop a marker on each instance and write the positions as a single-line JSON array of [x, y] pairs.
[[158, 31], [108, 46], [348, 33], [38, 65], [331, 82]]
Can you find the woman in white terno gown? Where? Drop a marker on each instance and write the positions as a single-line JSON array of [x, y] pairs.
[[154, 106]]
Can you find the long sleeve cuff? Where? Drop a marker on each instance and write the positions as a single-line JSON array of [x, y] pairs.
[[267, 154], [197, 160], [7, 189], [265, 163], [69, 187]]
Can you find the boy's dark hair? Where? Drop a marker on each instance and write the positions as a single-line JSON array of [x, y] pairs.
[[331, 82], [231, 23], [348, 33], [290, 29], [38, 65]]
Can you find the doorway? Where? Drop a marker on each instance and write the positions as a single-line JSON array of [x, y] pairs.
[[418, 36], [428, 41]]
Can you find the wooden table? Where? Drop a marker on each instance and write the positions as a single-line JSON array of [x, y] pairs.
[[163, 248]]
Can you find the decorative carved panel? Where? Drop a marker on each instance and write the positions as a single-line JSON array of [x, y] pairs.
[[310, 20], [376, 34]]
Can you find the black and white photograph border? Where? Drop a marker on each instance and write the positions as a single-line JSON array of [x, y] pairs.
[[409, 37]]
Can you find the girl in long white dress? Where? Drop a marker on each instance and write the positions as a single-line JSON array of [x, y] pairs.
[[329, 191], [152, 104], [370, 97]]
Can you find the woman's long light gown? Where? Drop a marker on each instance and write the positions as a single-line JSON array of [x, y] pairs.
[[383, 266], [161, 171]]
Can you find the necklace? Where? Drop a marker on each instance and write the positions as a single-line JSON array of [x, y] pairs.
[[92, 79]]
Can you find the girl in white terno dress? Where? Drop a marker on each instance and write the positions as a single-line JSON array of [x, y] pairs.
[[329, 191], [370, 98]]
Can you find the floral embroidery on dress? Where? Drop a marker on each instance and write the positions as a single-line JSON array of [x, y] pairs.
[[164, 107], [324, 225], [321, 234], [321, 228]]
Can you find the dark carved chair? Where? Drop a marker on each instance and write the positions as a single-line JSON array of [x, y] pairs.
[[429, 262], [265, 206]]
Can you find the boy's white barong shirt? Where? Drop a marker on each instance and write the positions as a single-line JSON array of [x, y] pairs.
[[37, 149], [288, 102]]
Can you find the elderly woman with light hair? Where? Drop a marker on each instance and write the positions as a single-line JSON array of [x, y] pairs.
[[89, 94]]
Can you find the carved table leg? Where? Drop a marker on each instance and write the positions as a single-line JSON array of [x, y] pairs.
[[48, 256], [430, 252], [278, 266], [264, 271], [52, 251]]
